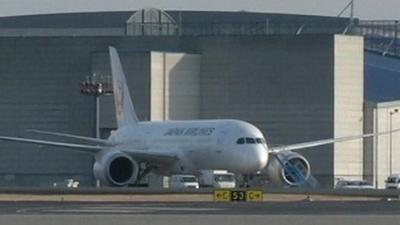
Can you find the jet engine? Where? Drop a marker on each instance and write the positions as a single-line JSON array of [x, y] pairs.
[[115, 168], [288, 168]]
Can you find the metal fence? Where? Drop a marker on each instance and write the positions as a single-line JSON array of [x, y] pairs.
[[261, 28], [380, 35]]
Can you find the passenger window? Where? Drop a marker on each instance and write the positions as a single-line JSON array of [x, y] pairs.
[[250, 141], [240, 141]]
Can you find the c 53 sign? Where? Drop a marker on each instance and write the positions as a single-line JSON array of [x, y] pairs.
[[226, 195]]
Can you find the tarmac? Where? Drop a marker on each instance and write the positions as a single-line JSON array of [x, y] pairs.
[[179, 210], [193, 197]]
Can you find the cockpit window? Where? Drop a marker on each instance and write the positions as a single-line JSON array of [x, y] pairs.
[[240, 141], [250, 140]]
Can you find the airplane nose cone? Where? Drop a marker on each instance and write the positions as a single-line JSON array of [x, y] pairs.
[[258, 159]]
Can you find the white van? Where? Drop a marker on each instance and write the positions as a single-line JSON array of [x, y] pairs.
[[353, 184], [217, 179], [183, 181], [393, 181]]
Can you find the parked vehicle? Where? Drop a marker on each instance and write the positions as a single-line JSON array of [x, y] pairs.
[[393, 181], [68, 183], [354, 184], [183, 181], [217, 179]]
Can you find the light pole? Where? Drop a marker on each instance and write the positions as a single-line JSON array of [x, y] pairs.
[[96, 86], [394, 111]]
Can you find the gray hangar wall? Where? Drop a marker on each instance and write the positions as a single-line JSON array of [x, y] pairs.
[[39, 89], [295, 88]]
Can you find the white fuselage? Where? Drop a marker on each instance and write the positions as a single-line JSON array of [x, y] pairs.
[[199, 144]]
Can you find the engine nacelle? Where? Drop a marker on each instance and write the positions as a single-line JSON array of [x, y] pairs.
[[288, 168], [115, 168]]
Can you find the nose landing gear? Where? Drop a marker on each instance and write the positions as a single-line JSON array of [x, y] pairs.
[[246, 180]]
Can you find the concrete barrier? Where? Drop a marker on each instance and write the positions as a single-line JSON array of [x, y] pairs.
[[392, 193], [102, 190]]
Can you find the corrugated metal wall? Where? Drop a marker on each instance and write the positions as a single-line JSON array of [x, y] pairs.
[[40, 89], [283, 84]]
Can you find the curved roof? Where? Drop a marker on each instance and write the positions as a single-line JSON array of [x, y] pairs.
[[118, 19], [151, 15]]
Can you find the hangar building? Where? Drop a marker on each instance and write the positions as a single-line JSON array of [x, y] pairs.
[[295, 77], [381, 113]]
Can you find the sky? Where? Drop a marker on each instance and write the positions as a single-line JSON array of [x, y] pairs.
[[364, 9]]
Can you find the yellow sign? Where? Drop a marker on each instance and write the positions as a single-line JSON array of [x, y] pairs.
[[254, 195], [222, 195]]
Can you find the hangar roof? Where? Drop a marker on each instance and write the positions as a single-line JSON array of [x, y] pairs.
[[118, 19], [77, 20]]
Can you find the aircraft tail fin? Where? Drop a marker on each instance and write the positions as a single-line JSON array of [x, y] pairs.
[[124, 109]]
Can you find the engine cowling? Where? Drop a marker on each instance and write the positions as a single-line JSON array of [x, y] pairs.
[[288, 168], [115, 168]]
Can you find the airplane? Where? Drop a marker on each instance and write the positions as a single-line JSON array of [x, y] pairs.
[[182, 147]]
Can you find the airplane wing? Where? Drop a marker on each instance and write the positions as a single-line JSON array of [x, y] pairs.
[[76, 147], [311, 144], [94, 140], [148, 156]]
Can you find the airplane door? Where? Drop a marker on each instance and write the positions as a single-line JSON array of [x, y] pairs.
[[221, 142]]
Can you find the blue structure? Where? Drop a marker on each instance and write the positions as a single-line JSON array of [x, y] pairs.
[[382, 78]]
